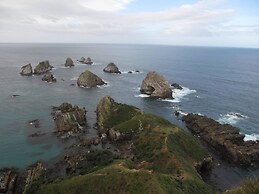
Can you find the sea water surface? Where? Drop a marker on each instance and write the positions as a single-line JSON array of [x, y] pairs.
[[222, 83]]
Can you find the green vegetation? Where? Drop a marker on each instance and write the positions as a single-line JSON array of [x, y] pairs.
[[164, 161], [247, 187]]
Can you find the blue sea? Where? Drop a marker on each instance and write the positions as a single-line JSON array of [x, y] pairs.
[[222, 83]]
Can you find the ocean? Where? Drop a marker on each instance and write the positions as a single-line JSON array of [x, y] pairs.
[[222, 83]]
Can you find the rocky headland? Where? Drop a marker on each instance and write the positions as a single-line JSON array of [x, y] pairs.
[[156, 85], [89, 80], [224, 138]]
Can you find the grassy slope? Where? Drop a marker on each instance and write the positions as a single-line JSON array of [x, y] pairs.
[[165, 158]]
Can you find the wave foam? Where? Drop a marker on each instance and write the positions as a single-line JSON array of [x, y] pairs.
[[179, 94], [74, 78], [142, 96], [231, 118], [252, 137]]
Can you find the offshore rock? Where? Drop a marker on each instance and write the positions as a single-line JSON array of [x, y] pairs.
[[89, 80], [87, 60], [69, 62], [155, 85], [69, 118], [26, 70], [177, 86], [49, 78], [111, 68], [224, 138], [42, 67]]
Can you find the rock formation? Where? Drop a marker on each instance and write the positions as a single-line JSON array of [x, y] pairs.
[[89, 80], [26, 70], [42, 67], [49, 78], [111, 68], [224, 138], [69, 62], [7, 180], [155, 85], [176, 86], [69, 118], [87, 61]]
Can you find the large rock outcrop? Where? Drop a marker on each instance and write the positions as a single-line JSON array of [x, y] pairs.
[[49, 78], [111, 68], [69, 62], [69, 118], [89, 80], [155, 85], [26, 70], [42, 67], [224, 138]]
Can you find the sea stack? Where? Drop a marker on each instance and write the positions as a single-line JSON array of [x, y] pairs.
[[87, 61], [156, 85], [69, 62], [111, 68], [42, 67], [26, 70], [89, 80], [49, 78]]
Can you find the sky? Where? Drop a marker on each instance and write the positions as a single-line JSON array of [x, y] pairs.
[[228, 23]]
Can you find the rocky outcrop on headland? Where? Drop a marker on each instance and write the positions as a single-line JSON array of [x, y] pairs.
[[69, 118], [155, 85], [89, 80], [111, 68], [69, 62], [8, 179], [224, 138], [42, 67], [49, 78], [26, 70], [87, 60]]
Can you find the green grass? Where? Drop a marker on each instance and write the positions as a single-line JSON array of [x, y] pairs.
[[164, 161], [246, 187]]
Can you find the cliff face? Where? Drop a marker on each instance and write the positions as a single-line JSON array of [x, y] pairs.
[[164, 156]]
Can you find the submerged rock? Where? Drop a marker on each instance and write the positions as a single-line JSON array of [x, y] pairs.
[[89, 80], [225, 138], [155, 85], [69, 118], [69, 62], [111, 68], [49, 78], [35, 123], [42, 67], [26, 70], [176, 86]]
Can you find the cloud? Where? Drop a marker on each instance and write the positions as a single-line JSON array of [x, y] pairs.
[[104, 20]]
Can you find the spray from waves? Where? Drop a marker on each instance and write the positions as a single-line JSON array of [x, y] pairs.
[[253, 137], [231, 118], [178, 95]]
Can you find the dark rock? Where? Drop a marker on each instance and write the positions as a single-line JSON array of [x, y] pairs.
[[155, 85], [26, 70], [49, 78], [176, 86], [177, 113], [72, 84], [205, 165], [8, 179], [15, 95], [42, 67], [35, 123], [89, 80], [224, 138], [111, 68], [137, 71], [69, 62], [69, 118], [37, 134], [130, 72], [81, 60]]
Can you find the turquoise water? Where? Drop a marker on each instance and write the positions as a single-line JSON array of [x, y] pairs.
[[222, 83]]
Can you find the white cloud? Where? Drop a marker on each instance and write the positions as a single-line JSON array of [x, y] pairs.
[[104, 20]]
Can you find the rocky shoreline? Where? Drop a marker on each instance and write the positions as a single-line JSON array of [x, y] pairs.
[[130, 138]]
